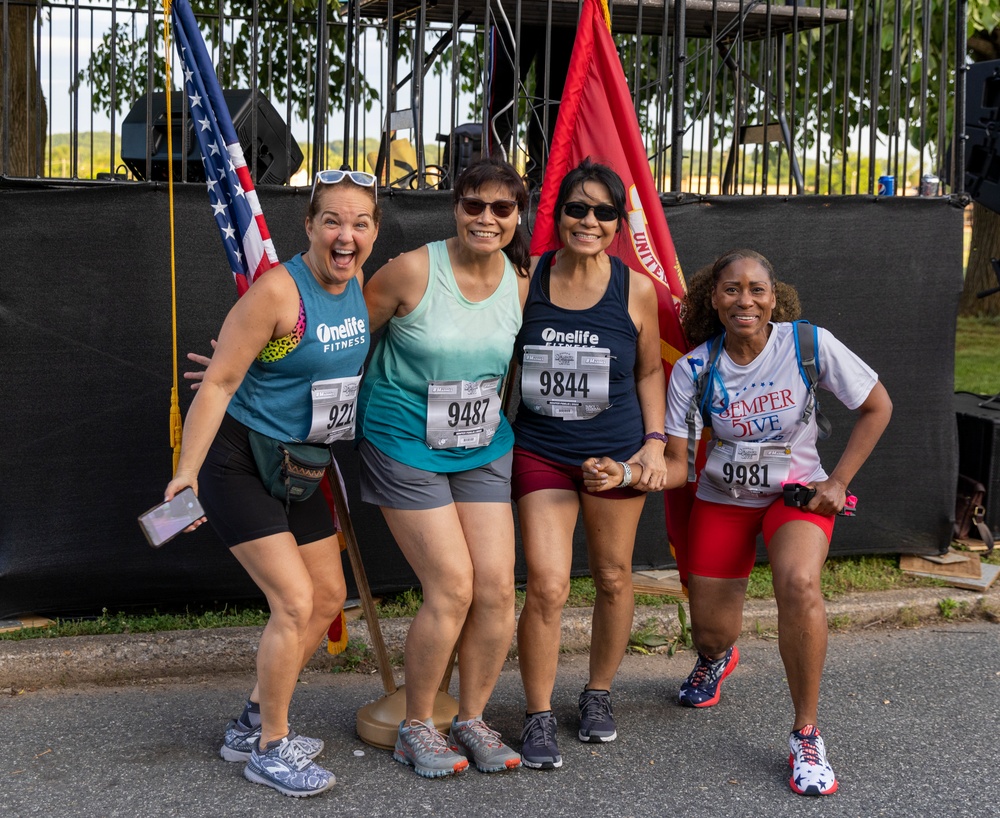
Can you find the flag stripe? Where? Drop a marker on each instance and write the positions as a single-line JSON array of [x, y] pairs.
[[231, 193]]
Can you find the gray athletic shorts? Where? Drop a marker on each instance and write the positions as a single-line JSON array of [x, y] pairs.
[[389, 483]]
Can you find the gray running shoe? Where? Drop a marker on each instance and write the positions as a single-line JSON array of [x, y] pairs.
[[420, 745], [288, 770], [539, 749], [597, 721], [239, 743], [473, 739]]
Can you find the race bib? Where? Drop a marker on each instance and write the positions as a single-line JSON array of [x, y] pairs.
[[748, 469], [462, 414], [566, 382], [334, 404]]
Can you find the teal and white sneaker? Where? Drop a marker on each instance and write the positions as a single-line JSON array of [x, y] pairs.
[[422, 746], [287, 769], [238, 742], [474, 740]]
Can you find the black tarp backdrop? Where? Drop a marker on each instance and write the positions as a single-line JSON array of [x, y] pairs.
[[86, 372]]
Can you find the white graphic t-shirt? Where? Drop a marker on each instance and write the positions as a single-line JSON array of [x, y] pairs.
[[758, 441]]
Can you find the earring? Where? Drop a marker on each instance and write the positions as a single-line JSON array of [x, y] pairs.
[[518, 219]]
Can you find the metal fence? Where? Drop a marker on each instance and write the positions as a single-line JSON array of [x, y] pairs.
[[737, 97]]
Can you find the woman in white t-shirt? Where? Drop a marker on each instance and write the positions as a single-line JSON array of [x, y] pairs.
[[763, 436]]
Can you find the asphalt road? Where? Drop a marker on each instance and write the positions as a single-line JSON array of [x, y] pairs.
[[911, 720]]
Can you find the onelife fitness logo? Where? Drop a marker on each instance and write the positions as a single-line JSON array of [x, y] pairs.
[[577, 338], [349, 333]]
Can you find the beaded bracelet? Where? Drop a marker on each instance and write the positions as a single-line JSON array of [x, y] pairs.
[[655, 436]]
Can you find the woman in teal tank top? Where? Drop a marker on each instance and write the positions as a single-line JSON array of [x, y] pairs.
[[302, 322], [435, 458]]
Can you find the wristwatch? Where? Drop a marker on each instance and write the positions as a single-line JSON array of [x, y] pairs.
[[626, 476]]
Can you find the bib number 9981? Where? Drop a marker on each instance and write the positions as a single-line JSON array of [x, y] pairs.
[[754, 474]]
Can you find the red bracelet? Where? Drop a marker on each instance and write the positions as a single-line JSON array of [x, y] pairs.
[[655, 436]]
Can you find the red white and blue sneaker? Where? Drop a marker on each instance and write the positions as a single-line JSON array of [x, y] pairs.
[[811, 772], [701, 688]]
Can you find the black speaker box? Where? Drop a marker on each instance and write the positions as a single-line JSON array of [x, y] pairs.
[[272, 166], [979, 448], [982, 127]]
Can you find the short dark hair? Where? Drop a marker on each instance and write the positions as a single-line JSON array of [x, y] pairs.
[[492, 170], [590, 171]]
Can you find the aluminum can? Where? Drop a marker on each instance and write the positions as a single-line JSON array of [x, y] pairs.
[[930, 185], [886, 185]]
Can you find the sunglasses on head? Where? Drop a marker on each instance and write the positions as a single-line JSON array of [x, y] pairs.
[[334, 177], [501, 208], [579, 210]]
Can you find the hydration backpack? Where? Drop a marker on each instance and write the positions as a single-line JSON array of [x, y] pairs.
[[807, 355]]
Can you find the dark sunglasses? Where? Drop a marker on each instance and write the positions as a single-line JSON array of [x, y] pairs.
[[501, 208], [579, 210], [334, 177]]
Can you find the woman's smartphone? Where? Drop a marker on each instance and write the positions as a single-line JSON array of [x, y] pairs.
[[168, 519]]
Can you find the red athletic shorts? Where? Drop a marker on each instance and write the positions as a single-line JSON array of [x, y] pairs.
[[532, 472], [722, 539]]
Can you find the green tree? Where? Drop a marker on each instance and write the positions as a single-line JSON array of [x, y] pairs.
[[286, 58], [27, 113]]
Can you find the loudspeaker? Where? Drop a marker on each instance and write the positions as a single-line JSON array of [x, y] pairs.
[[468, 140], [272, 168], [982, 127], [979, 448]]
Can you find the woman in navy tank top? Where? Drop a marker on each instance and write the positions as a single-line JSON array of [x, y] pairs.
[[591, 380]]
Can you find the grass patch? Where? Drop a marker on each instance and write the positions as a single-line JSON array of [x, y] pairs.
[[153, 622], [977, 365]]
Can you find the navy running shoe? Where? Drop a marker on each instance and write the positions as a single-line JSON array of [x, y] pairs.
[[539, 749], [811, 772], [701, 688], [597, 721]]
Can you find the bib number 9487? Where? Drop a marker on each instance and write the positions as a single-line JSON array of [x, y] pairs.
[[462, 414]]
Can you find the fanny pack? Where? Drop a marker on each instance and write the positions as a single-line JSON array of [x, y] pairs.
[[289, 471]]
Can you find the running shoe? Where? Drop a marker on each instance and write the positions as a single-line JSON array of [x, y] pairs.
[[701, 688], [420, 745], [811, 772], [238, 742], [474, 740], [287, 769], [597, 721], [539, 749]]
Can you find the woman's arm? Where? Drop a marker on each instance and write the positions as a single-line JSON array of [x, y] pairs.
[[251, 323], [603, 473], [397, 287], [650, 384], [873, 417]]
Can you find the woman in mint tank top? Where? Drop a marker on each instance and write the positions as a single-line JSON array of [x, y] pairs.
[[436, 453], [289, 354]]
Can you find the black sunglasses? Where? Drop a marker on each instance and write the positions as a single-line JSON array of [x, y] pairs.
[[579, 210], [501, 208]]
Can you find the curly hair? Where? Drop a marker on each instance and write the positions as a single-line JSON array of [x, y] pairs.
[[699, 318]]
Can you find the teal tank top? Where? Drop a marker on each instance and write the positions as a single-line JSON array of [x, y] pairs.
[[446, 337], [275, 397]]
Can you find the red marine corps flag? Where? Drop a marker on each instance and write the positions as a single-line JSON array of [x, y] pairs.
[[597, 119]]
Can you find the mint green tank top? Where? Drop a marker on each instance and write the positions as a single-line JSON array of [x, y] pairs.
[[446, 337]]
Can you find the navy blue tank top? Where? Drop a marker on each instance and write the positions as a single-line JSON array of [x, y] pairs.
[[617, 431]]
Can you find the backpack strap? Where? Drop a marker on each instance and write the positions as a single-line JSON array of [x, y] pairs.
[[701, 400], [807, 355]]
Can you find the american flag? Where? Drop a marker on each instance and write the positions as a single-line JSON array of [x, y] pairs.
[[230, 189]]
